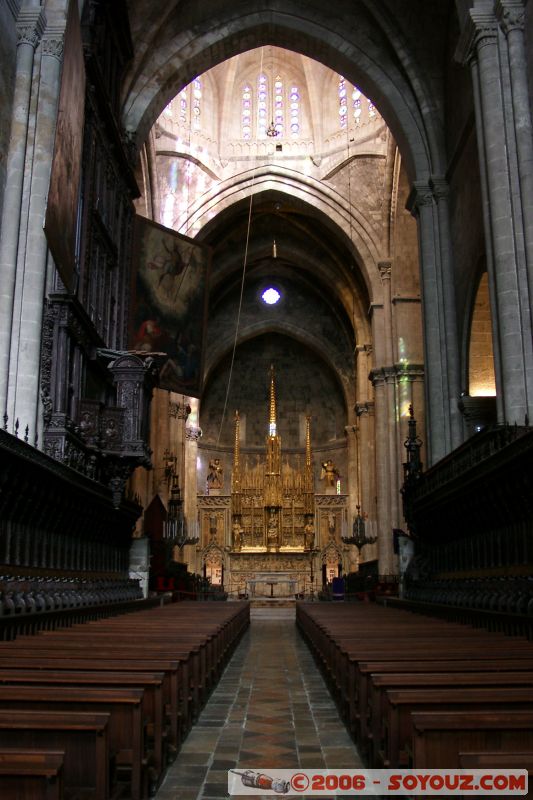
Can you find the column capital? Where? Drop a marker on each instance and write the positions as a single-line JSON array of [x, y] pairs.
[[510, 14], [30, 26], [193, 434], [385, 269], [421, 195], [394, 373], [363, 348], [178, 410], [364, 409], [480, 30], [411, 371], [381, 375], [440, 187], [53, 41]]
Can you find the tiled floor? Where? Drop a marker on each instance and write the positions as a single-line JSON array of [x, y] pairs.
[[271, 709]]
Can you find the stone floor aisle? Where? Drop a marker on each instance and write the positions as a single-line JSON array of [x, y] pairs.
[[271, 709]]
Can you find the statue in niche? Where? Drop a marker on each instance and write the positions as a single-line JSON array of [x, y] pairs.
[[238, 535], [215, 475], [330, 473], [309, 535], [213, 526], [332, 523], [272, 531]]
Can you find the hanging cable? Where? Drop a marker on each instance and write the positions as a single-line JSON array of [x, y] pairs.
[[245, 263]]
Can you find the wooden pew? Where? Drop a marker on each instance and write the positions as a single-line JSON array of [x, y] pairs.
[[31, 774], [341, 638], [396, 733], [381, 683], [439, 737], [363, 671], [188, 647], [346, 642], [125, 729], [175, 688], [429, 656], [82, 737], [497, 761], [424, 647], [132, 647], [152, 699]]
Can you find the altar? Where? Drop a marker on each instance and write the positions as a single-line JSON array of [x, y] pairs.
[[273, 584]]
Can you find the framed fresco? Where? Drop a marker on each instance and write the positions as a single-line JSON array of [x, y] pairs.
[[60, 224], [169, 303]]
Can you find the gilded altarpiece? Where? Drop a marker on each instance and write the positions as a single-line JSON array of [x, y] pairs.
[[272, 534]]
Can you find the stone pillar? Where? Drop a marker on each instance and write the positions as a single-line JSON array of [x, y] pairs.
[[190, 480], [444, 425], [354, 470], [25, 355], [488, 239], [511, 16], [383, 482], [505, 158], [389, 373], [441, 193], [364, 410], [30, 26]]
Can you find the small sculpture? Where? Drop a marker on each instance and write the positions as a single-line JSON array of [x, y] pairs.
[[237, 535], [272, 531], [330, 473], [309, 535], [214, 476]]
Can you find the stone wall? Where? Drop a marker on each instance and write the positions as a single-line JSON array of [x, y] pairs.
[[466, 214], [304, 384], [8, 44]]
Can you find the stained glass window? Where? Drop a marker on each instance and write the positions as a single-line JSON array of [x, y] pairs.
[[294, 104], [278, 105], [343, 103], [356, 105], [262, 106], [246, 119], [183, 106], [361, 108], [196, 98], [273, 102]]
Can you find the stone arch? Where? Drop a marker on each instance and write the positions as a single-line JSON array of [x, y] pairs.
[[374, 55], [303, 337], [324, 201]]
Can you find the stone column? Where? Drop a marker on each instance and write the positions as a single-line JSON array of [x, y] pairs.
[[440, 337], [30, 26], [441, 192], [488, 238], [25, 355], [389, 373], [364, 409], [383, 482], [501, 139], [365, 447], [511, 16], [190, 478]]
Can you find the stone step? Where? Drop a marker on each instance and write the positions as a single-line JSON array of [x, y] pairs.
[[272, 602]]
